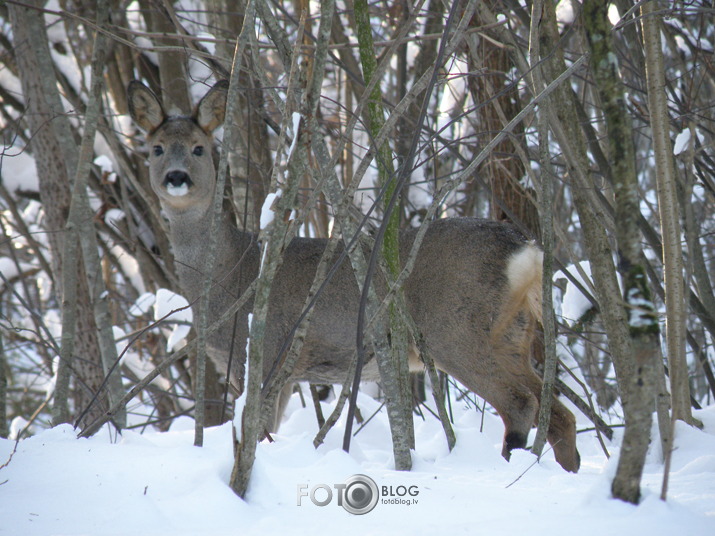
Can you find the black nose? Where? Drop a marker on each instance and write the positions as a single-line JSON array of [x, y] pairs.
[[177, 178]]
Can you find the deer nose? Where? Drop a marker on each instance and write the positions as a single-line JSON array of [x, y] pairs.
[[177, 179]]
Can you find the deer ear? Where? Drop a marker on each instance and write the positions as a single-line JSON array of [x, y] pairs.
[[144, 107], [211, 111]]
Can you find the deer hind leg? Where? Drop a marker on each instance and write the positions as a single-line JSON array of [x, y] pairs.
[[562, 437]]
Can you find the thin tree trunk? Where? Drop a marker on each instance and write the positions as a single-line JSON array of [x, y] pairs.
[[334, 192], [503, 170], [546, 195], [638, 390], [669, 212], [245, 435], [172, 64], [438, 393], [565, 126], [80, 214], [250, 158], [394, 371], [698, 266], [55, 151], [276, 379], [274, 237], [3, 387]]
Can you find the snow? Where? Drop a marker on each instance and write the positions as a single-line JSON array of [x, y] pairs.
[[143, 304], [267, 214], [239, 406], [681, 142], [564, 12], [575, 303], [613, 15], [207, 40], [104, 163], [129, 264], [160, 484], [61, 51], [106, 167], [18, 169], [296, 125], [134, 361], [640, 312], [113, 216], [176, 306], [9, 269]]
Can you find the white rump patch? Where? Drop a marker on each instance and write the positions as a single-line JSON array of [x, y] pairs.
[[524, 271]]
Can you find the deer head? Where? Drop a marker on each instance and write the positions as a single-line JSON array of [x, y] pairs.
[[181, 166]]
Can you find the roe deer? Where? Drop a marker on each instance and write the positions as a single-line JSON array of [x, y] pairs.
[[474, 292]]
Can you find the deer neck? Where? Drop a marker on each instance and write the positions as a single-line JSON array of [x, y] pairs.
[[190, 234]]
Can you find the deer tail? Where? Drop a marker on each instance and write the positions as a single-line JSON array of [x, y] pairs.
[[524, 271]]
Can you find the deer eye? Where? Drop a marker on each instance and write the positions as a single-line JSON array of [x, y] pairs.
[[158, 150], [198, 150]]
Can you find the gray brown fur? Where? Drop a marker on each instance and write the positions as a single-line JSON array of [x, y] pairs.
[[474, 293]]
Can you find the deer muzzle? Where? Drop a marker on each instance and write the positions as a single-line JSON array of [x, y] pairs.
[[177, 183]]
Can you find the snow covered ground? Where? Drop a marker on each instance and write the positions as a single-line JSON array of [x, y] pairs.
[[160, 484]]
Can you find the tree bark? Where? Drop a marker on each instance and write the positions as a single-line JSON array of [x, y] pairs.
[[546, 194], [669, 212], [80, 212], [172, 64], [3, 388], [394, 371], [503, 170], [250, 158], [54, 148], [565, 126], [638, 391], [274, 238]]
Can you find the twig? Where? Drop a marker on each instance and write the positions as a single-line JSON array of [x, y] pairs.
[[371, 417], [537, 460]]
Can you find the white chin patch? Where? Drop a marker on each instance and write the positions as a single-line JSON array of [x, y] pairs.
[[177, 191]]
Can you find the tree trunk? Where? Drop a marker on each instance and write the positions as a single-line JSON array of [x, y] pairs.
[[503, 169], [250, 159], [638, 391], [172, 64], [54, 148], [546, 194], [669, 211], [565, 125], [3, 388], [80, 212], [394, 371]]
